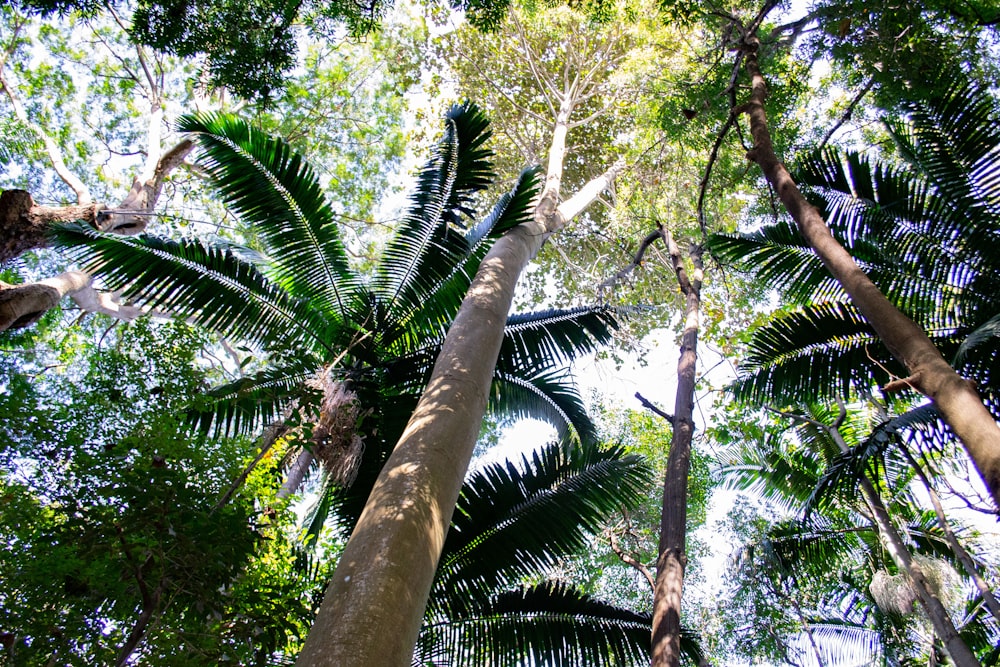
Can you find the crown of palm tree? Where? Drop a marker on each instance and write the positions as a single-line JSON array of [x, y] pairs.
[[327, 326]]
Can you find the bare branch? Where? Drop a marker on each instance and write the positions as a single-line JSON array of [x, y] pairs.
[[846, 116], [652, 408], [52, 149]]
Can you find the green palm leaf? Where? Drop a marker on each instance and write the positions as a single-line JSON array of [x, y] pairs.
[[549, 395], [823, 351], [273, 189], [547, 624], [209, 285], [543, 339], [429, 308], [514, 520], [423, 252], [250, 403]]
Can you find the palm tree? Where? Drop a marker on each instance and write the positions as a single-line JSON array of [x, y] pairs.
[[842, 568], [924, 229], [927, 371], [349, 354]]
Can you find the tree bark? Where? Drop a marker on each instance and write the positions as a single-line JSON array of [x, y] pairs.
[[955, 397], [672, 559], [23, 223], [373, 609], [23, 305]]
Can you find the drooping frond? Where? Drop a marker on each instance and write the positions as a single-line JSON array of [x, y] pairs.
[[782, 475], [547, 395], [544, 339], [547, 624], [273, 189], [955, 141], [247, 404], [516, 520], [209, 285], [422, 253], [823, 351]]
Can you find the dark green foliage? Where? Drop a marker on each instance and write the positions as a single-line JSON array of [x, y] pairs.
[[111, 508], [924, 231], [513, 522], [249, 45]]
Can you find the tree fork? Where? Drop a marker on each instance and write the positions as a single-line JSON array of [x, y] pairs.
[[955, 397]]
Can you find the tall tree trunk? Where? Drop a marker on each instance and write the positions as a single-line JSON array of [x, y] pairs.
[[955, 397], [372, 611], [672, 559]]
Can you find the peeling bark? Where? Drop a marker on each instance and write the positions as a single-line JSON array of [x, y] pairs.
[[954, 396], [23, 223]]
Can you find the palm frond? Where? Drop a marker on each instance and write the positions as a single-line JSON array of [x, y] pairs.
[[247, 404], [543, 339], [822, 351], [777, 255], [781, 475], [511, 209], [546, 624], [841, 476], [273, 189], [515, 520], [208, 285], [432, 313], [421, 254], [549, 395]]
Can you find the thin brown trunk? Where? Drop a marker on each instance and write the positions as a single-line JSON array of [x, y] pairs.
[[940, 619], [139, 629], [372, 611], [672, 558], [955, 397], [944, 628], [968, 562]]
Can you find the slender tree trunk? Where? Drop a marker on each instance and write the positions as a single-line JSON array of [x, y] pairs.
[[940, 619], [944, 628], [955, 397], [672, 559], [968, 562], [372, 611]]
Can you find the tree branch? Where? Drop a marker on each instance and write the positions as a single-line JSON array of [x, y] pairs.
[[652, 408]]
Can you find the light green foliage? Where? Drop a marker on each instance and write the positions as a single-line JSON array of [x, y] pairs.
[[109, 508], [81, 81]]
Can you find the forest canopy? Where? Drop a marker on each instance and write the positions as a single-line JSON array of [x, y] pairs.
[[489, 333]]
